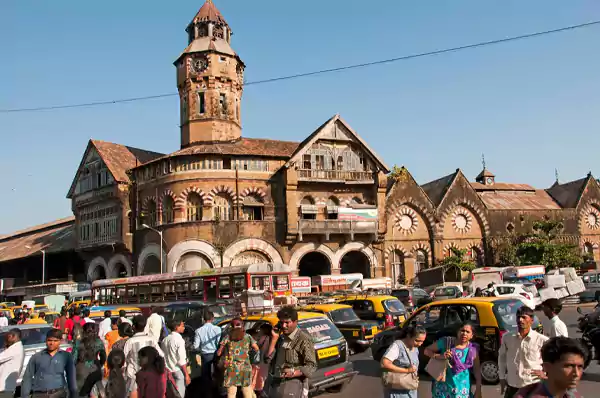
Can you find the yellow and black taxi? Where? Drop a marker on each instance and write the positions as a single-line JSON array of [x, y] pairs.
[[98, 314], [358, 333], [491, 316], [334, 369], [387, 311]]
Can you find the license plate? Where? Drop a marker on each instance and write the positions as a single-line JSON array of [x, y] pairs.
[[328, 352], [401, 318]]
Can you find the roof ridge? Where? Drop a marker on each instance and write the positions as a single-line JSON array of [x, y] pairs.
[[37, 228]]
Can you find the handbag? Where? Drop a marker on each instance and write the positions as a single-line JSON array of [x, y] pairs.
[[401, 381], [436, 368]]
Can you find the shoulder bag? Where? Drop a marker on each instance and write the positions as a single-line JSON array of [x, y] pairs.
[[436, 368], [401, 381]]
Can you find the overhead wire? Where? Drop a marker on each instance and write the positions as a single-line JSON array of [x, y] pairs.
[[318, 72]]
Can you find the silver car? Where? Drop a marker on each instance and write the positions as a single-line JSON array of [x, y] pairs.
[[33, 337]]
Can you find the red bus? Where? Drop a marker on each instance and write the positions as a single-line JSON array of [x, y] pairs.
[[204, 285]]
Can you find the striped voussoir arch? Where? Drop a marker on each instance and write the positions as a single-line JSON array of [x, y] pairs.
[[181, 200], [222, 189], [169, 193], [147, 200], [253, 191]]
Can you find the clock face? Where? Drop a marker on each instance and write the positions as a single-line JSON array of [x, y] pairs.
[[490, 180], [199, 65]]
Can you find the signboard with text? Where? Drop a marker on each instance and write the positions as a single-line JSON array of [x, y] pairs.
[[301, 284]]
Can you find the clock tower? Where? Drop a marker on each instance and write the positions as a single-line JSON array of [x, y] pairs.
[[210, 78]]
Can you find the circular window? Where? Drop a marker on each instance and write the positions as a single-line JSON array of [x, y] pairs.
[[592, 219], [460, 221], [405, 222]]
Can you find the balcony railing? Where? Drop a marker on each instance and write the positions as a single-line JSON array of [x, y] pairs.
[[336, 175], [328, 227]]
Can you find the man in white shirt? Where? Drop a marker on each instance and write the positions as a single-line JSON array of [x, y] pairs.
[[105, 325], [86, 316], [557, 327], [519, 356], [123, 317], [155, 324], [3, 320], [176, 356], [11, 363], [134, 344]]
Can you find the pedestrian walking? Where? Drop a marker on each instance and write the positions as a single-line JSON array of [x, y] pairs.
[[551, 308], [50, 372], [151, 379], [155, 325], [86, 316], [403, 357], [3, 320], [206, 342], [11, 363], [562, 360], [176, 356], [462, 356], [61, 322], [261, 371], [89, 356], [105, 326], [114, 386], [519, 356], [123, 317], [134, 344], [125, 332], [235, 350], [291, 355]]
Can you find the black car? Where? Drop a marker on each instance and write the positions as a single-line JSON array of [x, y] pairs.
[[412, 297]]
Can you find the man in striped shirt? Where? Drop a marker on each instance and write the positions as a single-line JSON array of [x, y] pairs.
[[135, 343]]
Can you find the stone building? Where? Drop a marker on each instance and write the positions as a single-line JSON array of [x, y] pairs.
[[325, 205]]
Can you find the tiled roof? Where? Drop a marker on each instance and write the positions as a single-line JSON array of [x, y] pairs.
[[518, 200], [120, 158], [241, 147], [209, 13], [485, 173], [55, 236], [501, 186], [436, 190], [568, 194]]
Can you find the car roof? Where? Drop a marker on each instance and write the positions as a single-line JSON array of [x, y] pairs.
[[367, 297], [25, 326], [327, 307], [272, 317], [467, 300]]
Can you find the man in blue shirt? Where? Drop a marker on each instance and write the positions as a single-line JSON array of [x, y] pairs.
[[46, 371], [206, 342]]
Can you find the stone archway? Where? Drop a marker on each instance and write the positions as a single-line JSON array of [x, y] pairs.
[[97, 269], [193, 261], [150, 250], [193, 247], [151, 265], [355, 246], [119, 266], [313, 264], [355, 262], [249, 257], [307, 248], [254, 245]]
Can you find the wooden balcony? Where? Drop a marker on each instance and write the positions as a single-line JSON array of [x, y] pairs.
[[328, 227], [352, 177]]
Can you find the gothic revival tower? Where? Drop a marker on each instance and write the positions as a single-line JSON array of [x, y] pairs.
[[210, 79]]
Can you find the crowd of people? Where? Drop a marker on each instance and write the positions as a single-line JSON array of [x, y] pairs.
[[146, 358]]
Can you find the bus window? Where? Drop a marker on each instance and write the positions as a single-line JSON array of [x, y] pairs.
[[121, 294], [239, 284], [281, 282], [224, 287], [197, 289], [261, 282], [157, 295]]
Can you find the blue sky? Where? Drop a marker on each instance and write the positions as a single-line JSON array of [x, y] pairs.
[[531, 106]]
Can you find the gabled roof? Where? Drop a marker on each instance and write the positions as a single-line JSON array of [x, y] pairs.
[[436, 189], [484, 173], [325, 127], [569, 194], [118, 159]]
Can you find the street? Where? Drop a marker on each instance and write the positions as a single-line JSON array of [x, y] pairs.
[[367, 383]]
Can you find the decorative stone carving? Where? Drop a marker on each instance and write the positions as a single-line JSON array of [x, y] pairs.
[[249, 257], [407, 220], [218, 32], [199, 64], [462, 220]]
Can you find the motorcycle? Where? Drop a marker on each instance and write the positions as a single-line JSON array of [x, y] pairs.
[[589, 320], [589, 325]]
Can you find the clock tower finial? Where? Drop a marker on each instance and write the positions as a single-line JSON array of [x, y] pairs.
[[210, 78], [485, 177]]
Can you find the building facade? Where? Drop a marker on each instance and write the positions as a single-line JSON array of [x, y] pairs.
[[325, 205]]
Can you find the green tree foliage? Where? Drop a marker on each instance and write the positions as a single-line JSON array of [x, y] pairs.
[[542, 246], [457, 259]]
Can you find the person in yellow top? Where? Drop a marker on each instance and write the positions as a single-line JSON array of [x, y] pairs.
[[39, 320]]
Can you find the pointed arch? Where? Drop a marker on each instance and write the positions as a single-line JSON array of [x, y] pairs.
[[308, 198], [448, 246], [150, 212], [221, 189], [166, 207], [397, 247], [254, 191], [181, 200]]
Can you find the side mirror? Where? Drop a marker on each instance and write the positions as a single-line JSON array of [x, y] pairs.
[[579, 311]]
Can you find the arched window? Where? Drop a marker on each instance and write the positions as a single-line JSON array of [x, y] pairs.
[[476, 256], [253, 208], [308, 209], [151, 213], [421, 262], [332, 208], [168, 213], [223, 208], [194, 207], [397, 264], [357, 201]]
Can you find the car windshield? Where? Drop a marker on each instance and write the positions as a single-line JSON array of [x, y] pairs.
[[506, 314], [344, 315], [219, 310], [445, 291], [31, 336], [394, 306], [320, 329]]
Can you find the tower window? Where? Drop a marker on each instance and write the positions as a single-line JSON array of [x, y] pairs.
[[201, 103], [223, 103]]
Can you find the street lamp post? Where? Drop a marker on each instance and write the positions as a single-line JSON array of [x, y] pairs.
[[161, 244]]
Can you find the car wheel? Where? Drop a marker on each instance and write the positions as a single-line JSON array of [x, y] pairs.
[[489, 372]]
